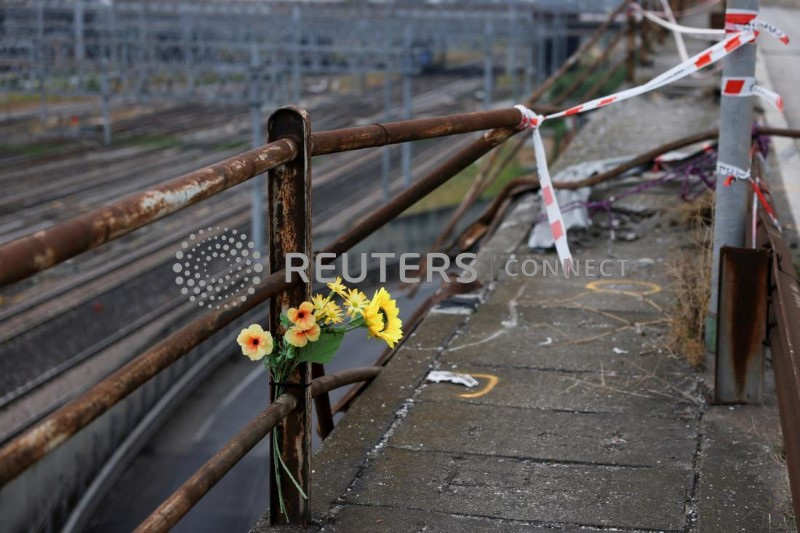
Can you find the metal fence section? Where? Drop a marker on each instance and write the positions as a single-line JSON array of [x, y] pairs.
[[287, 160]]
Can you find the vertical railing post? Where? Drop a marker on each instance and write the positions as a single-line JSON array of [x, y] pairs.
[[488, 64], [289, 221], [644, 34], [736, 122], [631, 48]]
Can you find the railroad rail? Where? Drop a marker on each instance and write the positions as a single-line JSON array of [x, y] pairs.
[[286, 158]]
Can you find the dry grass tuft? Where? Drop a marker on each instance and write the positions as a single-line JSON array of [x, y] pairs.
[[691, 281]]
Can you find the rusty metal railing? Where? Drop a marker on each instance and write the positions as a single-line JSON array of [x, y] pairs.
[[783, 335], [286, 158]]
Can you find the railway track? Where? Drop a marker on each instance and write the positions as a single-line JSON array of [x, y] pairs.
[[114, 291]]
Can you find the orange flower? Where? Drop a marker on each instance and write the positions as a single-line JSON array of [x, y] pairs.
[[302, 317], [255, 342], [299, 337]]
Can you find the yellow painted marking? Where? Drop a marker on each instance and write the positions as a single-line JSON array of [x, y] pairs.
[[613, 286], [492, 381]]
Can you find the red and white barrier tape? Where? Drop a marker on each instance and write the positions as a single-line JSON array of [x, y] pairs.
[[745, 32], [736, 18], [732, 172], [533, 121], [673, 26], [695, 63], [748, 87]]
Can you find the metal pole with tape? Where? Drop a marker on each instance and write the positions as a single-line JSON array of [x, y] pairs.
[[736, 119]]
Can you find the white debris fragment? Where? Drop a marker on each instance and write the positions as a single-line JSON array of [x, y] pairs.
[[541, 236], [548, 342], [619, 350], [438, 376]]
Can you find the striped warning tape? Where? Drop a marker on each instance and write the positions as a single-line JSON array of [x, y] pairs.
[[736, 18], [533, 121], [747, 87], [743, 26]]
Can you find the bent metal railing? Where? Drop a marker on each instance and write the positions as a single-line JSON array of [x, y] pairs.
[[287, 160]]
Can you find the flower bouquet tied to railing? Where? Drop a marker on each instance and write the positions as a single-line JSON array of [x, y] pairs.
[[313, 333]]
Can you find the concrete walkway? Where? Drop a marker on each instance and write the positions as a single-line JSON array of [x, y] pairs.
[[583, 419], [779, 69]]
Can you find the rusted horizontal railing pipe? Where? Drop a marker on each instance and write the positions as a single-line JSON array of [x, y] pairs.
[[32, 445], [328, 142], [182, 500], [648, 157], [43, 249], [47, 435], [51, 432], [38, 251], [784, 340], [461, 160]]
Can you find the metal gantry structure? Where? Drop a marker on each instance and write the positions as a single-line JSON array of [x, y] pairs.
[[218, 51], [139, 63], [259, 51]]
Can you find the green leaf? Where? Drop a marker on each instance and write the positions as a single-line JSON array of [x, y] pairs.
[[285, 322], [323, 350]]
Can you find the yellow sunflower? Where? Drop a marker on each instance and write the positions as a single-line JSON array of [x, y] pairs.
[[381, 318]]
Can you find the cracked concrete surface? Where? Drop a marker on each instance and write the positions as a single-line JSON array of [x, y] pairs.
[[592, 423]]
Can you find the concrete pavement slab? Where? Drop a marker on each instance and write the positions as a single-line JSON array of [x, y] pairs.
[[497, 487], [642, 397], [366, 518], [553, 436]]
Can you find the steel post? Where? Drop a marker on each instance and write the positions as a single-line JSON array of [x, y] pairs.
[[511, 51], [631, 51], [41, 61], [297, 80], [77, 23], [407, 102], [407, 112], [541, 52], [742, 325], [106, 105], [736, 120], [527, 87], [488, 65], [257, 186], [386, 154], [289, 193]]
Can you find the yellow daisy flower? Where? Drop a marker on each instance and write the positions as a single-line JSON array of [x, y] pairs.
[[255, 342], [381, 318], [332, 313], [319, 302], [337, 286], [356, 301], [300, 337]]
